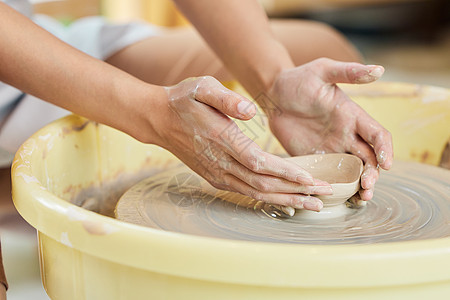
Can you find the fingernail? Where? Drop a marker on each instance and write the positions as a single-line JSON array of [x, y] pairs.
[[245, 108], [361, 203], [312, 204], [377, 71], [290, 211]]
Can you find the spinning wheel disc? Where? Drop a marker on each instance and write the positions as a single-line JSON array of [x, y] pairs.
[[411, 202]]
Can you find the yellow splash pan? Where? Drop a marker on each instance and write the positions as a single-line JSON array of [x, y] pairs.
[[85, 255]]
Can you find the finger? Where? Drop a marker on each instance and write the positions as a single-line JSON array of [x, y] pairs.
[[356, 201], [297, 201], [366, 195], [320, 182], [272, 184], [287, 210], [212, 93], [344, 72], [370, 172], [381, 139], [369, 176], [262, 162], [368, 179], [248, 153]]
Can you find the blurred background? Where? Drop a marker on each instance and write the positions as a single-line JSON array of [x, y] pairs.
[[410, 38]]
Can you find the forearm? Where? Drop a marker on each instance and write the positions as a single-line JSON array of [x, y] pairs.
[[2, 292], [238, 31], [36, 62], [3, 283]]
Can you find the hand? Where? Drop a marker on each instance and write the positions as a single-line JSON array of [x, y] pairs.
[[308, 113], [193, 125]]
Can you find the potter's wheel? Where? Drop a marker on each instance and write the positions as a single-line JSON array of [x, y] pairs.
[[411, 202]]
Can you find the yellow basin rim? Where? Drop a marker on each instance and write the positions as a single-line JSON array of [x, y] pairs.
[[220, 260]]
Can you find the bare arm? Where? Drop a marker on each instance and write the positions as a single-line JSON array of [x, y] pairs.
[[38, 63], [3, 283], [306, 98], [2, 292], [238, 31], [188, 119]]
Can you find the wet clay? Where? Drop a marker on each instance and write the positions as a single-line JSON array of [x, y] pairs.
[[342, 171], [103, 198], [411, 202]]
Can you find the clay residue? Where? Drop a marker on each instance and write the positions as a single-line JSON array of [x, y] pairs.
[[76, 127], [424, 157], [102, 198], [98, 228], [445, 158]]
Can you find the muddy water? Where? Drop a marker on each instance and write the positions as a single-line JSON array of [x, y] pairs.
[[411, 202], [103, 199]]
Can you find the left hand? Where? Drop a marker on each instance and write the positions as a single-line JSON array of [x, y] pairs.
[[193, 122], [309, 113]]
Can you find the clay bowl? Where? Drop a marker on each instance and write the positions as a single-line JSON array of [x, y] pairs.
[[342, 171]]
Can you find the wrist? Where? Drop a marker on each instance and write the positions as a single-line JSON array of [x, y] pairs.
[[266, 69], [268, 96], [152, 112], [140, 112]]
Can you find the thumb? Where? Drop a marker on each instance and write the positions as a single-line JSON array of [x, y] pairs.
[[212, 93], [344, 72]]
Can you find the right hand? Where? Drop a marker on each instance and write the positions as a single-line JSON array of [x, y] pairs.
[[318, 117], [195, 128]]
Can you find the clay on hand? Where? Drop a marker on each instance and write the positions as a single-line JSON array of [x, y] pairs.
[[325, 119], [195, 127]]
